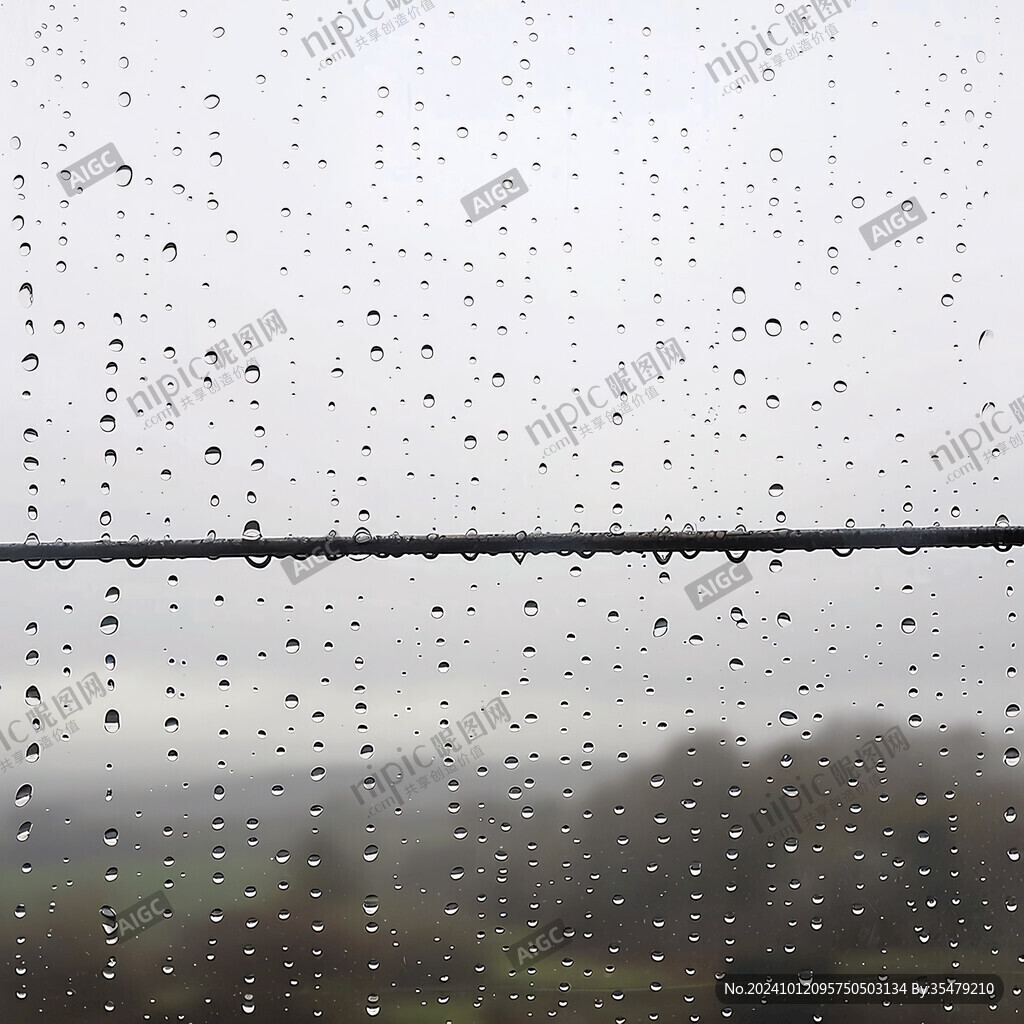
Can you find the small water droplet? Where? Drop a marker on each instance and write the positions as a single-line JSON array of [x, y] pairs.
[[661, 627]]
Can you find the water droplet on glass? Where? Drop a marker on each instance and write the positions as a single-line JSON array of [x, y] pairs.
[[661, 627]]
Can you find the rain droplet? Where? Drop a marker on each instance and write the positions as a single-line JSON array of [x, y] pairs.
[[212, 456], [112, 721], [908, 625], [789, 718], [661, 627], [169, 252]]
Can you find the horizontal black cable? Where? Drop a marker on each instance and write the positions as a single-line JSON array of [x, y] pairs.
[[735, 543]]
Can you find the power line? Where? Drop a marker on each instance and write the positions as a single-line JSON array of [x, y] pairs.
[[734, 543]]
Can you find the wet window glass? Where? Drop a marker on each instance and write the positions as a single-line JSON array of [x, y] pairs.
[[510, 512]]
